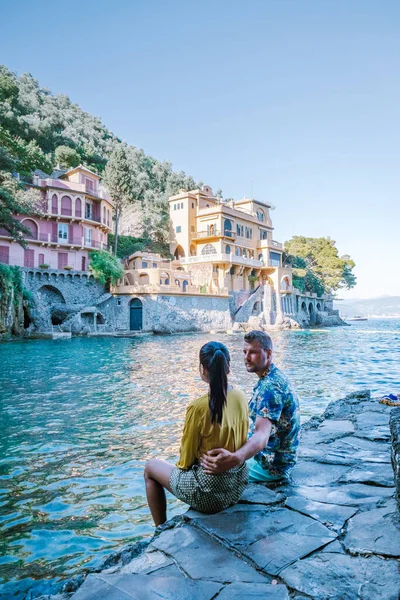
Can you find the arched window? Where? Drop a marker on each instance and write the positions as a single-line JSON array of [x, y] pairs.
[[227, 227], [260, 257], [227, 249], [54, 204], [66, 206], [260, 215], [184, 285], [245, 252], [78, 207], [33, 228], [238, 252], [209, 249]]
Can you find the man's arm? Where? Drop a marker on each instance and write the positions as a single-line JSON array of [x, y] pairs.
[[220, 460]]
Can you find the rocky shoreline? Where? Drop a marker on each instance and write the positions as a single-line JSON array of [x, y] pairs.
[[332, 533]]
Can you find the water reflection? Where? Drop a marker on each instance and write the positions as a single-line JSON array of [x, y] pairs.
[[80, 418]]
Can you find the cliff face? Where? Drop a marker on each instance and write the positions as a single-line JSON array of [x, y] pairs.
[[13, 305]]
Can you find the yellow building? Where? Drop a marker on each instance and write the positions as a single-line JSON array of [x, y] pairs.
[[226, 244]]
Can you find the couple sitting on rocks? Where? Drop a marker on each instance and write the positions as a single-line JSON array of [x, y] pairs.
[[220, 452]]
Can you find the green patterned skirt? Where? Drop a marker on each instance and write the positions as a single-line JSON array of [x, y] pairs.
[[209, 493]]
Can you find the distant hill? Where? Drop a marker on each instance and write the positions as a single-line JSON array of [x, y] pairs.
[[387, 306]]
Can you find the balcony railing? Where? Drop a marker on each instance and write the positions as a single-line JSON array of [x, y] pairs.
[[222, 258], [269, 244], [215, 233]]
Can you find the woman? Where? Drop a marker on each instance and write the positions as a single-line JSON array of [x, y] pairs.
[[218, 419]]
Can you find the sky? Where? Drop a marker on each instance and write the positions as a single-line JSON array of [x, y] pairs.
[[294, 102]]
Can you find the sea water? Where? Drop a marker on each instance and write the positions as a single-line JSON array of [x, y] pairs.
[[80, 417]]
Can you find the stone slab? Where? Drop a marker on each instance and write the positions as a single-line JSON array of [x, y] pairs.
[[348, 451], [336, 576], [147, 563], [352, 494], [335, 547], [241, 524], [259, 494], [376, 531], [332, 429], [289, 536], [312, 473], [333, 515], [253, 591], [373, 425], [380, 474], [202, 557], [144, 587]]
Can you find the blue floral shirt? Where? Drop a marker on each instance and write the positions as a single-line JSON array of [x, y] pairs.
[[274, 398]]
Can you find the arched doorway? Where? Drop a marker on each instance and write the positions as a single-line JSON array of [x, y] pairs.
[[184, 285], [179, 252], [136, 314]]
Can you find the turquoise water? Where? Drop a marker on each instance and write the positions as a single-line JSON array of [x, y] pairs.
[[80, 417]]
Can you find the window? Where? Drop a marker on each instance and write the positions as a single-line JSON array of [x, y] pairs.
[[192, 204], [239, 230], [260, 215], [263, 234], [227, 249], [88, 210], [144, 264], [62, 231], [274, 259], [178, 229], [41, 259], [227, 227], [238, 252], [260, 257], [174, 206], [209, 249], [249, 233], [181, 204], [154, 265], [118, 301], [88, 236]]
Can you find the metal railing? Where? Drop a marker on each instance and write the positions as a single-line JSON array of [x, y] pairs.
[[224, 258]]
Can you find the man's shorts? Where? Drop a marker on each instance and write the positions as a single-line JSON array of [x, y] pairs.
[[259, 475]]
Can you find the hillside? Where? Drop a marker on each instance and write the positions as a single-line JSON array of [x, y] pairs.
[[36, 124], [388, 306]]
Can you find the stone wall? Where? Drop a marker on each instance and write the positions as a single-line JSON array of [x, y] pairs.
[[170, 314], [395, 434], [59, 297]]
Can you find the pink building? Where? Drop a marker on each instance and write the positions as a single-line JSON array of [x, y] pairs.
[[77, 218]]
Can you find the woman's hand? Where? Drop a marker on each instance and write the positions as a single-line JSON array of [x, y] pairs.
[[218, 461]]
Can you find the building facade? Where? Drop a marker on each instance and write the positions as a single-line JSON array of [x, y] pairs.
[[76, 218], [227, 244]]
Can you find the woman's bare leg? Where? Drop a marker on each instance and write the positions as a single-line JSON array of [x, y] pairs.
[[156, 475]]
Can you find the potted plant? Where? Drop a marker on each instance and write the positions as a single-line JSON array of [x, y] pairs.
[[252, 279], [44, 266], [67, 268]]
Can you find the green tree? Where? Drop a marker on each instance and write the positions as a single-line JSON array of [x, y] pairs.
[[105, 267], [118, 179], [67, 157], [317, 266]]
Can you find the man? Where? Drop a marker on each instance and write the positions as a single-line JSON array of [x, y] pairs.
[[271, 448]]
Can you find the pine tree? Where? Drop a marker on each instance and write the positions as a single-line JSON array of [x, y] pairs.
[[119, 181]]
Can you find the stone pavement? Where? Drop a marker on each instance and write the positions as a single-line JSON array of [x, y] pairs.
[[332, 533]]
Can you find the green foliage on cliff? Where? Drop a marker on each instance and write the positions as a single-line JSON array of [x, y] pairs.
[[41, 129], [128, 245], [105, 267], [317, 266]]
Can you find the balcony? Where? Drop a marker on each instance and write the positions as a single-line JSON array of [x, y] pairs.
[[222, 258], [168, 289], [201, 235], [269, 244]]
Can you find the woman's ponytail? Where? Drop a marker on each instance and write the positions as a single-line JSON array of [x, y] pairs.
[[215, 358]]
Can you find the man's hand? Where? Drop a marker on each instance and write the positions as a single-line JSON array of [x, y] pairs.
[[218, 461]]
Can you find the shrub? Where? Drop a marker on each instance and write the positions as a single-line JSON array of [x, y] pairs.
[[105, 267], [44, 266]]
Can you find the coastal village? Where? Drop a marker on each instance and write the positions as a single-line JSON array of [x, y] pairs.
[[225, 270]]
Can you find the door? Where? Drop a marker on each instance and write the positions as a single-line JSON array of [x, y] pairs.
[[136, 315], [62, 259], [83, 263], [29, 258]]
